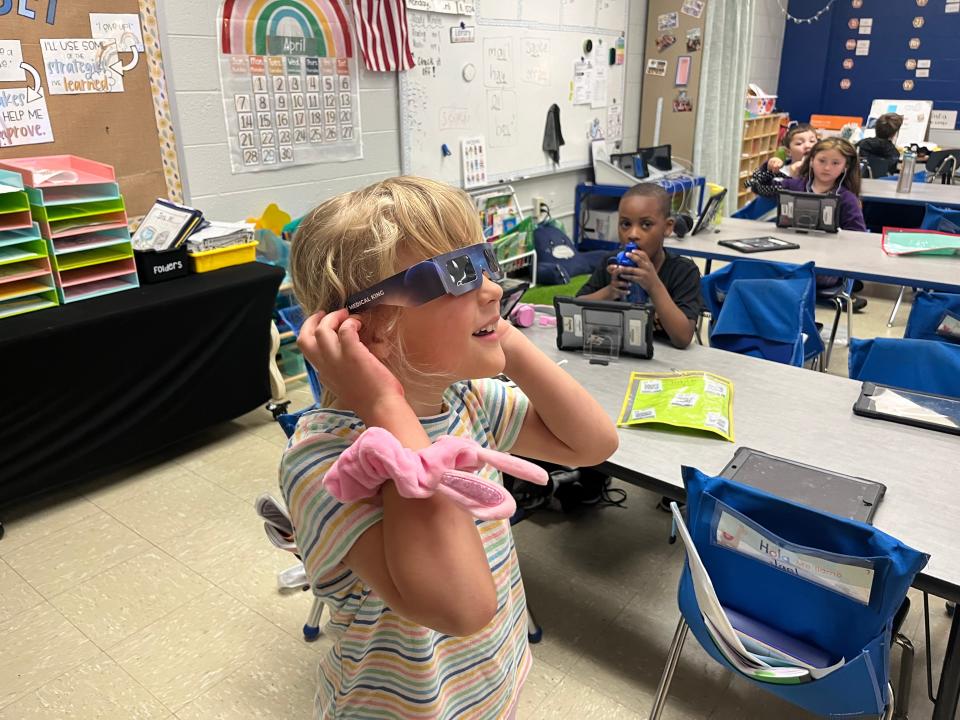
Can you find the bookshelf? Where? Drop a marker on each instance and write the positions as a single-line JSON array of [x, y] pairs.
[[759, 144], [26, 279], [77, 206]]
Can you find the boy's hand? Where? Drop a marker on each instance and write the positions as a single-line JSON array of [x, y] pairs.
[[331, 343], [619, 286], [774, 164], [644, 274]]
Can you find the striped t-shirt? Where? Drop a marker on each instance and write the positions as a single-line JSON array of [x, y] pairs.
[[382, 665]]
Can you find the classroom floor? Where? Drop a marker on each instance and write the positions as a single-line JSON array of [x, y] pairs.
[[151, 594]]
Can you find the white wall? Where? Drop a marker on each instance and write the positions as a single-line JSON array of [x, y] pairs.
[[769, 26], [191, 63]]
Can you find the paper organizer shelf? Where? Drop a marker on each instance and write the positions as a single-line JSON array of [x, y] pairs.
[[77, 209], [26, 281]]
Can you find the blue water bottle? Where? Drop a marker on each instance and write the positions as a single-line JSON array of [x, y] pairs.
[[636, 294]]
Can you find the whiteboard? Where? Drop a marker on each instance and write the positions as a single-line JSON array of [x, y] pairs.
[[522, 56]]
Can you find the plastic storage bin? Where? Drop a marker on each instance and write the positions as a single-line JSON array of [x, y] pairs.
[[208, 260]]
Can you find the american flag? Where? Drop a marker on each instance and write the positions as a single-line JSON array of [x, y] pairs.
[[383, 35]]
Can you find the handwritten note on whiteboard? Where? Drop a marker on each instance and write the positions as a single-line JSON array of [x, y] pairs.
[[535, 55], [498, 62]]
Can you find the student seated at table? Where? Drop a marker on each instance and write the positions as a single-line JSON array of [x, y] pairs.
[[832, 168], [880, 152], [671, 282], [786, 162]]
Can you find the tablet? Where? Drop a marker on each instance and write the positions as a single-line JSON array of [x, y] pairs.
[[924, 410], [631, 323], [759, 244], [843, 495], [805, 211], [709, 212], [513, 290]]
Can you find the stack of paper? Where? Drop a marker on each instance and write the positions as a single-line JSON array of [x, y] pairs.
[[754, 648], [219, 235]]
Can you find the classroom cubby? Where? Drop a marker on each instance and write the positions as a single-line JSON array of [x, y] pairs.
[[26, 280], [81, 217], [760, 136]]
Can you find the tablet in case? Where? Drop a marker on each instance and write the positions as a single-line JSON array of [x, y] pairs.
[[923, 410], [633, 321], [806, 211], [759, 244], [843, 495]]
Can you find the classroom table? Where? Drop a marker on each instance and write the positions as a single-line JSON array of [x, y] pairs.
[[847, 253], [804, 416], [93, 385], [885, 191]]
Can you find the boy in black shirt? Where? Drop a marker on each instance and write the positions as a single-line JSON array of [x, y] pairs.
[[672, 282], [880, 152]]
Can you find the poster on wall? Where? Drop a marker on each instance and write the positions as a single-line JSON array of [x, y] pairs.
[[289, 73]]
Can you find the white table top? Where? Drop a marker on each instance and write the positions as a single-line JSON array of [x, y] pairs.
[[920, 193], [847, 253], [801, 415]]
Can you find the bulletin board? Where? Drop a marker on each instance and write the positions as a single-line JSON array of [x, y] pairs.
[[102, 97], [474, 108], [671, 79], [855, 55]]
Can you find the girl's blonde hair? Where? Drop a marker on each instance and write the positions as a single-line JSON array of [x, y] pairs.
[[355, 240], [851, 176]]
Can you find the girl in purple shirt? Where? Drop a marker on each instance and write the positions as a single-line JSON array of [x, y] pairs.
[[832, 168]]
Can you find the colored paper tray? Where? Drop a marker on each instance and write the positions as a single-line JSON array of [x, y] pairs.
[[14, 237], [73, 194], [25, 270], [85, 258], [100, 287], [39, 301], [55, 170]]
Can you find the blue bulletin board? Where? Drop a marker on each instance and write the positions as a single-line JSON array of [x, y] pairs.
[[822, 71]]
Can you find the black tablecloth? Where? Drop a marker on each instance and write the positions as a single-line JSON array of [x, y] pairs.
[[87, 387]]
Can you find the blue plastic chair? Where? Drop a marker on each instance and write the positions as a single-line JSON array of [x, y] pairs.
[[757, 209], [922, 365], [928, 312], [834, 622], [936, 218], [764, 309]]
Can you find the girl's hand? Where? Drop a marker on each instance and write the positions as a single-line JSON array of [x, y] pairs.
[[644, 274], [331, 343], [774, 164]]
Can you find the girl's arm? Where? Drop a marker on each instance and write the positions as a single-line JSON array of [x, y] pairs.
[[420, 545], [563, 424]]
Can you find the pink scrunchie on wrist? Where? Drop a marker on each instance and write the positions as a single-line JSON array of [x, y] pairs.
[[377, 456]]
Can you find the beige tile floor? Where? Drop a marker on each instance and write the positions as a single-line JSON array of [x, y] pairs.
[[151, 594]]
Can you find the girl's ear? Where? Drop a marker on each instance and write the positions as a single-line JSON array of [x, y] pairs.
[[372, 334]]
